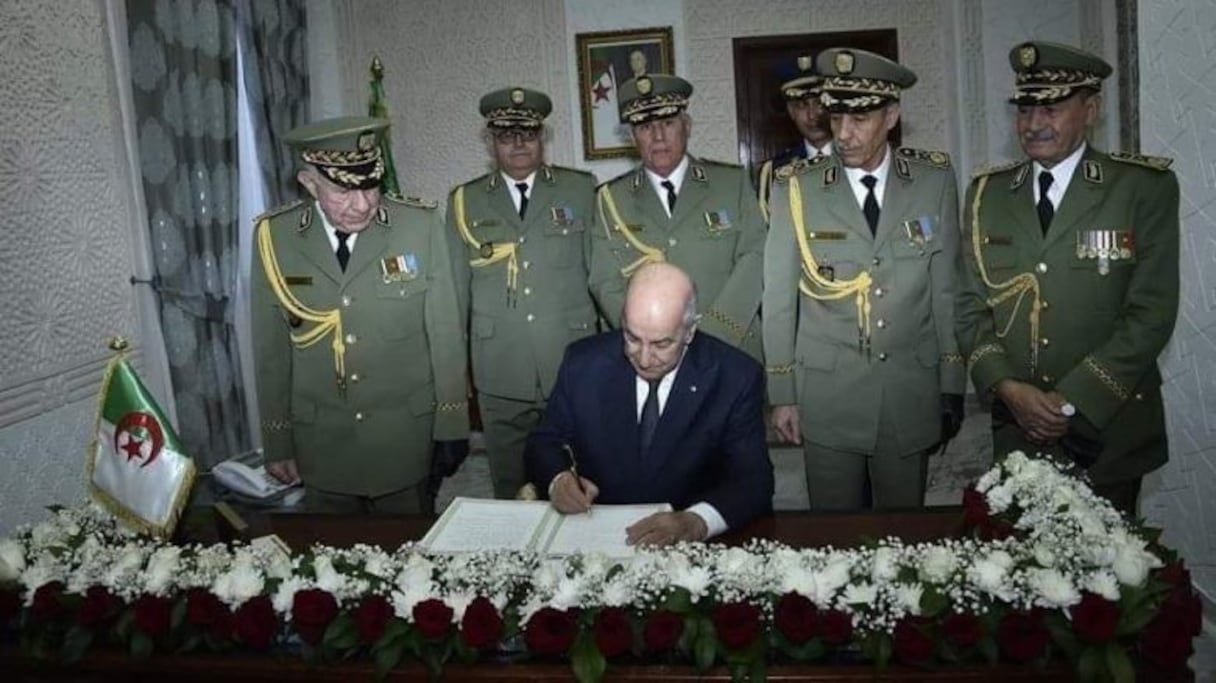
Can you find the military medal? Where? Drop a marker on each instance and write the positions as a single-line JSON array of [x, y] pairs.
[[486, 250], [919, 231], [399, 268], [562, 215], [1126, 243], [717, 220]]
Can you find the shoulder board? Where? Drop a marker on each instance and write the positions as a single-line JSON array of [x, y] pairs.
[[797, 167], [624, 176], [929, 157], [1155, 163], [715, 162], [415, 202], [998, 168], [281, 209], [579, 171]]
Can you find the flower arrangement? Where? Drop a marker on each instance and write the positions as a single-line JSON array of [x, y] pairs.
[[1050, 570]]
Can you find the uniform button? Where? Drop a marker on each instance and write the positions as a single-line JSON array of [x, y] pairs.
[[881, 323], [354, 377], [878, 292], [346, 300], [1045, 342], [1047, 379], [527, 265], [531, 317], [1043, 305], [877, 261], [1042, 267], [358, 417], [527, 291], [1139, 397], [671, 241], [522, 238], [351, 338], [882, 357]]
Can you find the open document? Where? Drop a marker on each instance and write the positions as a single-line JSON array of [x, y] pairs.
[[471, 524]]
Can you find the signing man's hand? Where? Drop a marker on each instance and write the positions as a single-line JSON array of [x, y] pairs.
[[666, 528], [572, 494]]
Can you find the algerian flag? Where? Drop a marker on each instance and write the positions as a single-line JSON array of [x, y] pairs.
[[137, 467]]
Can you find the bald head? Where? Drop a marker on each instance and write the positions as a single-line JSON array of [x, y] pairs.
[[659, 319]]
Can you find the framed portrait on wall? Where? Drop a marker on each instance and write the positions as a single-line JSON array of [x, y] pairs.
[[605, 60]]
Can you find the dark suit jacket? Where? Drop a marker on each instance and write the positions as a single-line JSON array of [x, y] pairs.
[[709, 445]]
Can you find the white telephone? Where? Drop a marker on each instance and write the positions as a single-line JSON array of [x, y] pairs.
[[254, 482]]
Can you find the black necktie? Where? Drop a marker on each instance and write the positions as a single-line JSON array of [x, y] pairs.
[[523, 198], [1046, 210], [650, 416], [343, 251], [671, 196], [870, 206]]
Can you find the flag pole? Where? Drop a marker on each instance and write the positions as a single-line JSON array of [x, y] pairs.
[[378, 107]]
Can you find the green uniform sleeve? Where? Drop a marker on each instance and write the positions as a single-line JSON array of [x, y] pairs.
[[730, 315], [608, 251], [943, 279], [780, 301], [458, 255], [446, 340], [1106, 377], [272, 357], [976, 332]]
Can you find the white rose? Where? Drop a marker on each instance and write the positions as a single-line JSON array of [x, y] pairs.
[[695, 580], [1053, 588], [885, 567], [284, 597], [861, 594], [378, 565], [797, 580], [1044, 555], [1103, 583], [12, 560], [162, 567], [240, 583], [999, 498], [328, 578], [988, 573], [568, 594], [990, 478], [829, 580], [459, 602], [618, 592], [938, 564], [908, 596], [1131, 565]]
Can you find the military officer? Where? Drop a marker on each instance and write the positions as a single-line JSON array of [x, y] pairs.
[[699, 215], [1070, 286], [859, 286], [356, 334], [801, 93], [519, 240]]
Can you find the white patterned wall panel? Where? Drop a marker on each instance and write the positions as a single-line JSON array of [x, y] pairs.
[[66, 255], [1177, 119]]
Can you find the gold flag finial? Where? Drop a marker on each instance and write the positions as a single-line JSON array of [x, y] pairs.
[[118, 343]]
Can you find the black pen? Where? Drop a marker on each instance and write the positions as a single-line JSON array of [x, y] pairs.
[[574, 470]]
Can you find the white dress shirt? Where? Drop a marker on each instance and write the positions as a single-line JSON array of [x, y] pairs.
[[1061, 175], [812, 151], [514, 191], [332, 233], [676, 178], [856, 174]]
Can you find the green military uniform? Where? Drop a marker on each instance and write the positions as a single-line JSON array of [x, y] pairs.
[[358, 370], [715, 234], [522, 284], [805, 83], [1086, 308], [858, 326]]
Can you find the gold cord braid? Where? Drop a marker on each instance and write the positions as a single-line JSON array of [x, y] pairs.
[[649, 254], [766, 182], [1018, 286], [324, 322], [498, 252], [818, 287]]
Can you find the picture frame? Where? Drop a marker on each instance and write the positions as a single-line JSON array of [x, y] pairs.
[[606, 59]]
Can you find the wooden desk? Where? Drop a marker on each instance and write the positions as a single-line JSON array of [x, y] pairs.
[[302, 530]]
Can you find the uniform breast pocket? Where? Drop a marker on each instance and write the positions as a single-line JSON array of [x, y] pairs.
[[564, 242], [836, 259], [402, 307]]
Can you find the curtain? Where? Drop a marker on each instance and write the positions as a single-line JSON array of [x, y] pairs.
[[276, 81], [183, 69]]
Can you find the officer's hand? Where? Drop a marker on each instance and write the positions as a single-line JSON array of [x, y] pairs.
[[952, 415], [448, 456], [666, 528], [785, 422], [1037, 414], [572, 495], [283, 470]]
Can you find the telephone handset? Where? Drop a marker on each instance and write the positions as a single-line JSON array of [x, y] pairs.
[[254, 482]]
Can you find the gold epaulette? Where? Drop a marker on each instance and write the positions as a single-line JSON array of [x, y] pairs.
[[928, 157], [797, 167], [1155, 163], [416, 202], [997, 168], [281, 209]]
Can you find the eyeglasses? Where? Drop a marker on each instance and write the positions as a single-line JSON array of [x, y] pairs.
[[521, 135]]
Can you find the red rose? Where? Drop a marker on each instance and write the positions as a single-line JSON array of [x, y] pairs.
[[311, 612], [481, 625], [550, 631], [663, 630], [975, 508], [837, 627], [613, 634], [371, 618], [796, 618], [1022, 637], [913, 642], [996, 530], [10, 606], [47, 605], [1175, 574], [737, 624], [1167, 642], [152, 615], [1184, 606], [1094, 618], [962, 630], [98, 609], [433, 618], [205, 611], [256, 623]]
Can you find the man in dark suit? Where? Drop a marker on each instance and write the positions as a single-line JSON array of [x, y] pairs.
[[657, 413]]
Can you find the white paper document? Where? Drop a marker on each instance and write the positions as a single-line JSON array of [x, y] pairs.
[[471, 524]]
